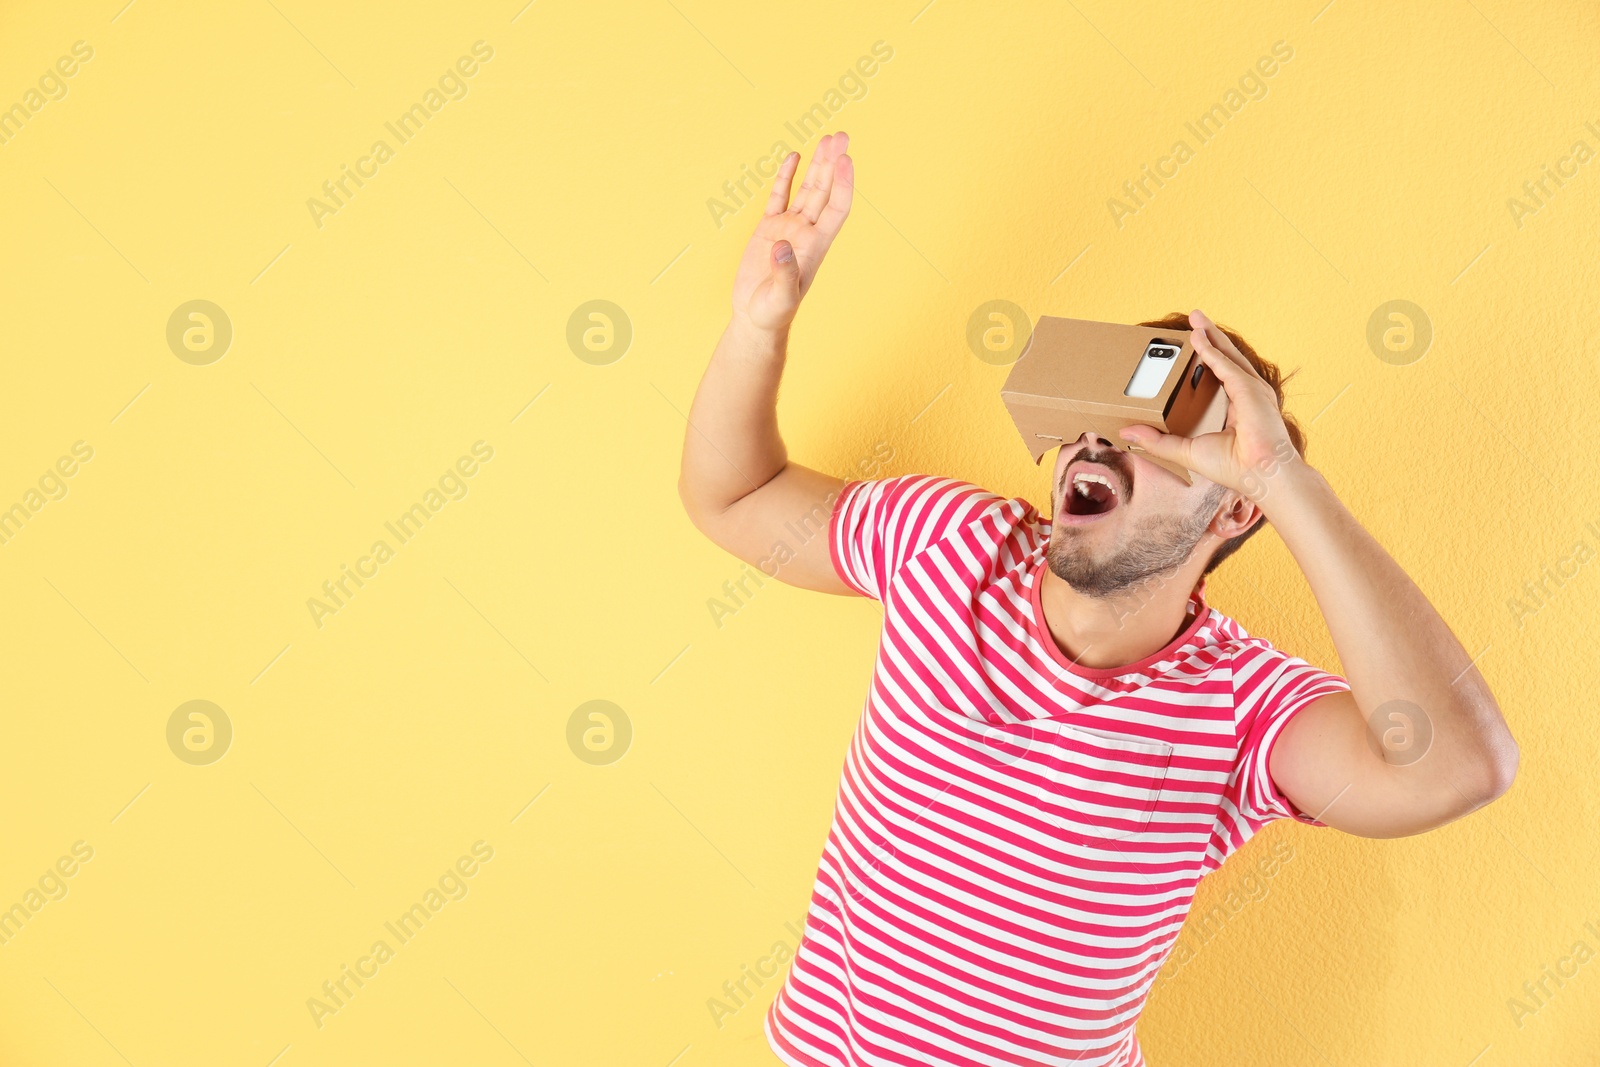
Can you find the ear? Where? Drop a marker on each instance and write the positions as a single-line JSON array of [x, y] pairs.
[[1236, 513]]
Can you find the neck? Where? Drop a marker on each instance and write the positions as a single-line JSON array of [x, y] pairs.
[[1101, 633]]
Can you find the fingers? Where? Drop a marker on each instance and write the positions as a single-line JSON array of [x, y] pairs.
[[822, 186], [1221, 363], [1248, 393], [1204, 327], [1224, 366], [839, 197], [1171, 447], [799, 202], [779, 200]]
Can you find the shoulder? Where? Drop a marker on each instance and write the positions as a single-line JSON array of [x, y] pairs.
[[1268, 681], [922, 490], [925, 507], [880, 525]]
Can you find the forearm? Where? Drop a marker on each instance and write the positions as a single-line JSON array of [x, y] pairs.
[[1392, 643], [732, 445]]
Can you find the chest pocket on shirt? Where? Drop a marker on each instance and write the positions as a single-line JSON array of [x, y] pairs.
[[1107, 785]]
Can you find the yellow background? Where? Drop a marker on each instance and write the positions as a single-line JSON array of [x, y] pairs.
[[368, 354]]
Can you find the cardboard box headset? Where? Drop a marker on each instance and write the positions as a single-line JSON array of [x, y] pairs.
[[1076, 375]]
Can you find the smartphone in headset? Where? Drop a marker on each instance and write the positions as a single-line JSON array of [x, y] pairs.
[[1153, 368]]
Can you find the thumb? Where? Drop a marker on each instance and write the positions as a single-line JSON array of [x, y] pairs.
[[1171, 447], [777, 298], [786, 271]]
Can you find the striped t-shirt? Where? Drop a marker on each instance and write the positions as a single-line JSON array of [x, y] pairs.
[[1016, 839]]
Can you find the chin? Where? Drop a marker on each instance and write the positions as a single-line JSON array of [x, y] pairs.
[[1085, 571], [1104, 559]]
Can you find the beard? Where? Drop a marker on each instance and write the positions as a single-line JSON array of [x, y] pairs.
[[1158, 546]]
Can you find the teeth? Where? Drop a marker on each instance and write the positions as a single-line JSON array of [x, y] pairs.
[[1087, 476]]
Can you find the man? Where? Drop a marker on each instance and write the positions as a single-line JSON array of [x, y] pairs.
[[1061, 737]]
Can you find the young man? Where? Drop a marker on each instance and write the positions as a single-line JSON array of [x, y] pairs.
[[1061, 737]]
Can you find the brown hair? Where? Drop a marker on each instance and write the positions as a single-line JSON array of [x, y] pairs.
[[1179, 320]]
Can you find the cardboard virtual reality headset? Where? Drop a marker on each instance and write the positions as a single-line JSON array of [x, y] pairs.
[[1075, 376]]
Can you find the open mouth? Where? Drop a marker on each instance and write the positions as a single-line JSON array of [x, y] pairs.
[[1090, 493]]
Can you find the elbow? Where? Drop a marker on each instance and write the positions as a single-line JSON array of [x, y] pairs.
[[1504, 768], [692, 505], [685, 497], [701, 512], [1498, 755], [1491, 755], [1503, 756], [1495, 772]]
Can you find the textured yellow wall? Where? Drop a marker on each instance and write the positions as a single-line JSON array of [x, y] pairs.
[[376, 339]]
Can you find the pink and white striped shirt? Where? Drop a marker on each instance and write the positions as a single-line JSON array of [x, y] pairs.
[[1016, 839]]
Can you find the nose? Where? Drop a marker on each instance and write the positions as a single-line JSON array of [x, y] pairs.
[[1091, 439]]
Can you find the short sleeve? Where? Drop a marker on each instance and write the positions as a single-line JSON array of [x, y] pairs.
[[1269, 688], [877, 525]]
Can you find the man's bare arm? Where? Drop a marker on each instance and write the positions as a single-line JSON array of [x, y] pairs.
[[736, 481], [1419, 740]]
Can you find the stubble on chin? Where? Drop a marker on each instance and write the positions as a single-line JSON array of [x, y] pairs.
[[1156, 548]]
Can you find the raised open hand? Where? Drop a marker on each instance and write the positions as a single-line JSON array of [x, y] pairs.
[[782, 258]]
